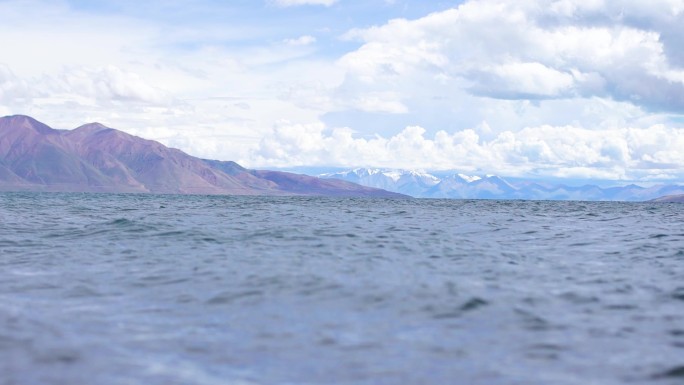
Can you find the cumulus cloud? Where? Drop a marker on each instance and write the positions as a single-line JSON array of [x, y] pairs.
[[589, 88], [627, 153], [522, 80], [531, 50], [292, 3]]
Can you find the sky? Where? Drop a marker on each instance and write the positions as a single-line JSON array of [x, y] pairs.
[[576, 89]]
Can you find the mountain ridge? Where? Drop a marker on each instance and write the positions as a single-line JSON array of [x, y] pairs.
[[677, 198], [462, 186], [97, 158]]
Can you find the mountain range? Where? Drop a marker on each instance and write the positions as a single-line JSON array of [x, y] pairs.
[[425, 185], [95, 158]]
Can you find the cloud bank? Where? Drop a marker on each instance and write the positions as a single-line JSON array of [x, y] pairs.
[[653, 153], [572, 88], [533, 50]]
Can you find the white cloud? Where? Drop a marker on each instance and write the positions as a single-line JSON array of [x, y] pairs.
[[503, 86], [12, 89], [302, 40], [524, 49], [109, 83], [292, 3], [627, 153], [517, 80], [388, 102]]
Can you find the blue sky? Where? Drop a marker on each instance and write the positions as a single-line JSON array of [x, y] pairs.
[[590, 89]]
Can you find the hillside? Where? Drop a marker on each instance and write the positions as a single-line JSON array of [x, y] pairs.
[[679, 198], [95, 158]]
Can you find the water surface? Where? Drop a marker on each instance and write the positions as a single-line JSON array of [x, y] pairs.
[[145, 289]]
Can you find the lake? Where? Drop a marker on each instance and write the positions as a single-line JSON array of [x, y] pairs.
[[161, 289]]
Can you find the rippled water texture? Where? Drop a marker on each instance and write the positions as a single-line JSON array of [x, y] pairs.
[[142, 289]]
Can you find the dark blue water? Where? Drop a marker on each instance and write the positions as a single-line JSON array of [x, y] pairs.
[[143, 289]]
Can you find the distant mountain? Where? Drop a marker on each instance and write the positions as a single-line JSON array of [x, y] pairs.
[[411, 183], [95, 158], [461, 186], [670, 199]]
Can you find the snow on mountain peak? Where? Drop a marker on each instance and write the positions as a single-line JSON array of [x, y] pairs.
[[469, 178], [394, 175], [419, 183]]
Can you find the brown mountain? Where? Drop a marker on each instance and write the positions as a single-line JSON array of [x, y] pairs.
[[670, 198], [95, 158]]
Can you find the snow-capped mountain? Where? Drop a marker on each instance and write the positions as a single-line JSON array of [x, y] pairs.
[[421, 184], [413, 183], [464, 187]]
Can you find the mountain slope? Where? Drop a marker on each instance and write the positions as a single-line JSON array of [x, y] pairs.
[[310, 185], [679, 198], [34, 155], [92, 157], [411, 183]]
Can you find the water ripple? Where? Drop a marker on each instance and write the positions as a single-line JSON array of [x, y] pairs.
[[145, 289]]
